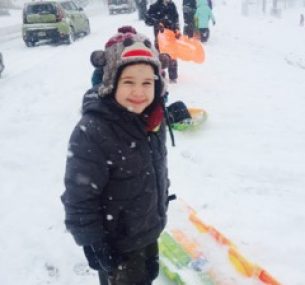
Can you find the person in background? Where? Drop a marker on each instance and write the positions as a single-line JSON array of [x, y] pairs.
[[203, 16], [116, 179], [142, 8], [189, 9], [164, 15], [1, 64], [302, 20]]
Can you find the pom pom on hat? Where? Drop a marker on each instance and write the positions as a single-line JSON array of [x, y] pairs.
[[127, 29], [98, 59]]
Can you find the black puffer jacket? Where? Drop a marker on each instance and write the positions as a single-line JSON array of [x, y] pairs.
[[116, 178], [159, 13]]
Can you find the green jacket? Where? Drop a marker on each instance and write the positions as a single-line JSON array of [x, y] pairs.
[[203, 14]]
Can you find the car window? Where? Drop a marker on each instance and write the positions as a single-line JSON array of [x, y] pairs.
[[45, 8], [118, 2], [69, 6]]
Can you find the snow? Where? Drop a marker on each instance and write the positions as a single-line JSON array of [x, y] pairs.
[[243, 171]]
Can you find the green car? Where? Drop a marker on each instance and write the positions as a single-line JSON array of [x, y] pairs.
[[56, 21]]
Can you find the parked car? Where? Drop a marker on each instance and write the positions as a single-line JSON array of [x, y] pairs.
[[1, 64], [82, 3], [121, 6], [4, 11], [57, 21]]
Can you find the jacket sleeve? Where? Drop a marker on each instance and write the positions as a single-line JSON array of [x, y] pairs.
[[152, 17], [213, 18], [85, 177], [177, 25]]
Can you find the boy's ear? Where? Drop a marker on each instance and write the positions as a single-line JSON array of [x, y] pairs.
[[98, 58]]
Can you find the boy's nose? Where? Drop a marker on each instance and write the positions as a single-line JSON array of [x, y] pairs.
[[138, 90]]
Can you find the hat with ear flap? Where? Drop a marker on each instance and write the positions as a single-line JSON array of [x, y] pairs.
[[125, 48]]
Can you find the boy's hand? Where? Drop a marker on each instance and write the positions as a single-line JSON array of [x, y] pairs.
[[149, 21], [99, 256]]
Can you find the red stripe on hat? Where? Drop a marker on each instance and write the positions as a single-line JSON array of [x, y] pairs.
[[138, 52]]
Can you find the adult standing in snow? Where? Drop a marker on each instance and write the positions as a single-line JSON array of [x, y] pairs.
[[1, 64], [302, 20], [116, 176], [203, 16], [189, 9], [160, 15], [142, 8]]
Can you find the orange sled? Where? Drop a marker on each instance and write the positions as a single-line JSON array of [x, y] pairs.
[[184, 48]]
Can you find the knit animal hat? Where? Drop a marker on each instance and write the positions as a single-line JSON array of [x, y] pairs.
[[126, 47]]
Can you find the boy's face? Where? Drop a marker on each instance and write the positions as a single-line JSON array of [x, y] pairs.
[[136, 87]]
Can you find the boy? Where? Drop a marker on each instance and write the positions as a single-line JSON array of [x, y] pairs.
[[116, 176]]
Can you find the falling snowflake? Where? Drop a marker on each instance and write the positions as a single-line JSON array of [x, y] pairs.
[[120, 267], [83, 128], [93, 185], [109, 162], [70, 154], [133, 145], [109, 217]]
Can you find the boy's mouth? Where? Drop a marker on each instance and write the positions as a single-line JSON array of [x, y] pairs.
[[137, 101]]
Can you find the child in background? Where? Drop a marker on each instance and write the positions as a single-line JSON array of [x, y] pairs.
[[203, 16]]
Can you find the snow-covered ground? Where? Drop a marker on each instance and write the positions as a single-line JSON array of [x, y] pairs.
[[243, 171]]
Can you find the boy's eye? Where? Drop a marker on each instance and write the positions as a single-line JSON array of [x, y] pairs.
[[127, 82], [147, 83]]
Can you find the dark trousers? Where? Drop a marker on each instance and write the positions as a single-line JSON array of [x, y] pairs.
[[204, 34], [103, 277], [173, 69], [138, 267], [188, 28], [172, 63]]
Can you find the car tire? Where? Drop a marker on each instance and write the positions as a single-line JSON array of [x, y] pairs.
[[29, 43]]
